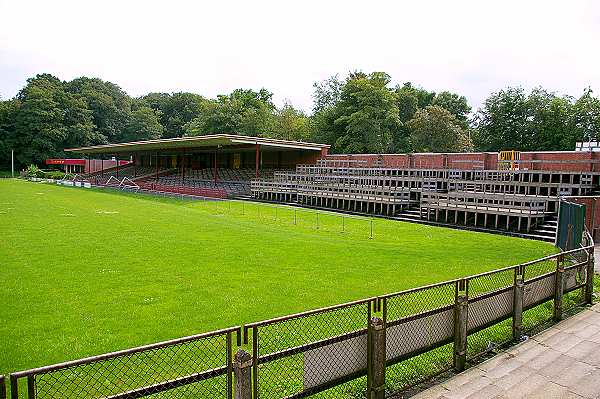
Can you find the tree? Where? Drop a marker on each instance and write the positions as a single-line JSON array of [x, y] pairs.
[[326, 93], [424, 97], [586, 117], [49, 119], [144, 124], [435, 129], [502, 123], [8, 110], [245, 112], [456, 104], [549, 120], [367, 114], [175, 110], [290, 124], [109, 104]]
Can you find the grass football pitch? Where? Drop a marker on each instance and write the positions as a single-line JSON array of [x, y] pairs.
[[85, 272]]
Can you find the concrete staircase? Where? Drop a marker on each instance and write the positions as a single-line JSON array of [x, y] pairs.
[[547, 230], [544, 232]]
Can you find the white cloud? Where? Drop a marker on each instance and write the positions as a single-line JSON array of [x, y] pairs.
[[471, 47]]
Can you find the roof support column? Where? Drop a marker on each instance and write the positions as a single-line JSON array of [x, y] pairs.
[[156, 177], [215, 171], [257, 160], [183, 167]]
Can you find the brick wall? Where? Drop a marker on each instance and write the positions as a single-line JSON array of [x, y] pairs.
[[564, 160]]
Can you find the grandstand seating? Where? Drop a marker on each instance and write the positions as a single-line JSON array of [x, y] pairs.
[[201, 182], [497, 199]]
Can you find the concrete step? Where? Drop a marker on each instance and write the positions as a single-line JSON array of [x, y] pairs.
[[539, 237], [546, 231]]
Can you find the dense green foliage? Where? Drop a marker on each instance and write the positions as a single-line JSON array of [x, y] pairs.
[[86, 272], [358, 114]]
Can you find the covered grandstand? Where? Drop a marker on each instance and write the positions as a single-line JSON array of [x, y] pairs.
[[220, 165]]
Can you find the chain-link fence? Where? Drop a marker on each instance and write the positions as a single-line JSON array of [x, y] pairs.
[[383, 344], [419, 332], [190, 367], [323, 350]]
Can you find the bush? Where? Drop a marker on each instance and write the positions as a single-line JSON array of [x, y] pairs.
[[34, 171], [54, 174]]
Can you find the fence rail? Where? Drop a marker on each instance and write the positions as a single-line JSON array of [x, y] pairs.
[[195, 366]]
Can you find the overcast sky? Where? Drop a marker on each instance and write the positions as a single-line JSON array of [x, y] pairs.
[[213, 47]]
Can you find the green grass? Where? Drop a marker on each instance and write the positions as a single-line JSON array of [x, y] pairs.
[[86, 272]]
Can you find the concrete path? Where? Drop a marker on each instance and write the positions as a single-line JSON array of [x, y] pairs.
[[561, 362]]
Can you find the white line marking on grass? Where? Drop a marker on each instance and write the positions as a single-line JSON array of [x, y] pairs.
[[107, 212]]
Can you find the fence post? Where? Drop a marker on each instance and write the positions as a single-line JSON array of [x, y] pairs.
[[558, 289], [14, 387], [461, 309], [589, 282], [376, 348], [517, 319], [242, 370], [2, 387]]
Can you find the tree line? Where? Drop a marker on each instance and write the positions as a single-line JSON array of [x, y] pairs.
[[362, 113]]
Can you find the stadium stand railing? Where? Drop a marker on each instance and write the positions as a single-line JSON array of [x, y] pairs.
[[369, 347]]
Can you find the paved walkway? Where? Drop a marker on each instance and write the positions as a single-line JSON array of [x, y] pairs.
[[561, 362]]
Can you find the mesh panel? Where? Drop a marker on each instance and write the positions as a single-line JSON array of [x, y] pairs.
[[418, 301], [537, 316], [486, 310], [487, 283], [339, 349], [489, 338], [179, 363], [418, 320], [412, 371], [534, 270]]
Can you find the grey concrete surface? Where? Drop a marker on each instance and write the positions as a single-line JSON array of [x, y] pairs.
[[561, 362]]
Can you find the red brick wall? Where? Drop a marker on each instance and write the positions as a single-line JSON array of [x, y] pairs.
[[592, 213], [579, 156], [481, 160]]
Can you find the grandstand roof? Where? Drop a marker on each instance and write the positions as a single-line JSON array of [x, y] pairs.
[[212, 140]]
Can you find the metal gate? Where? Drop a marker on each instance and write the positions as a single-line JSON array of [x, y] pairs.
[[571, 224]]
